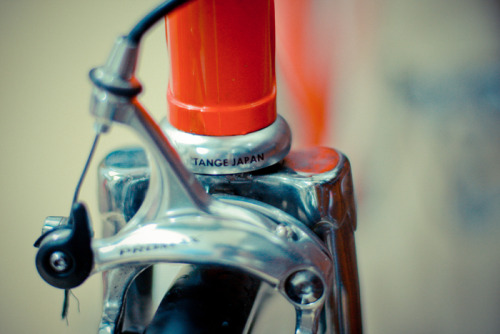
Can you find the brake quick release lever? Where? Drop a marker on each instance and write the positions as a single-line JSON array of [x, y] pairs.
[[57, 260], [65, 258]]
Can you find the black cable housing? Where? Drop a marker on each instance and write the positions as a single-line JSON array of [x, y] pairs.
[[150, 19]]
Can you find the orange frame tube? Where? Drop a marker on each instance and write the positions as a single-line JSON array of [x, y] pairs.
[[222, 55]]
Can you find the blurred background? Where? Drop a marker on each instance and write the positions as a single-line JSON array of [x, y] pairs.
[[408, 89]]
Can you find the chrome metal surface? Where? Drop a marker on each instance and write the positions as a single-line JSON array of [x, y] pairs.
[[180, 222], [53, 222], [118, 75], [59, 261], [123, 178], [314, 186], [289, 223], [231, 154], [304, 287], [116, 284], [345, 302], [230, 235], [226, 240]]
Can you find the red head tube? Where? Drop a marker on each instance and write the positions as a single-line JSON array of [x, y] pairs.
[[223, 79]]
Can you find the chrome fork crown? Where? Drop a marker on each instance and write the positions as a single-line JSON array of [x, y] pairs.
[[313, 186]]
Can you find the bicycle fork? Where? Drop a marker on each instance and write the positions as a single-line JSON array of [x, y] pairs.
[[314, 186], [221, 188]]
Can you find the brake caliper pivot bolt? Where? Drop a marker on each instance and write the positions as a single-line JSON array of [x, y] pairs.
[[304, 287]]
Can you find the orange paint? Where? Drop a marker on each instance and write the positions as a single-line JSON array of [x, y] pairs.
[[306, 40], [223, 76]]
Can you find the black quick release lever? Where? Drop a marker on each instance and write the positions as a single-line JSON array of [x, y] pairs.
[[65, 257]]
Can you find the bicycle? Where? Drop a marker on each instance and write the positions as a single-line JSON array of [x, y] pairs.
[[226, 197]]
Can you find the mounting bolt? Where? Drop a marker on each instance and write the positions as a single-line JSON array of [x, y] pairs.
[[304, 287], [59, 261], [285, 232]]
